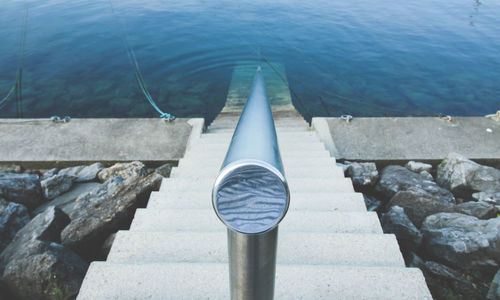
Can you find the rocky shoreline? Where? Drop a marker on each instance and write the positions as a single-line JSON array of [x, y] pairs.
[[445, 220], [53, 223]]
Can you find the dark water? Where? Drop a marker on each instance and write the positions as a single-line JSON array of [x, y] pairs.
[[362, 57]]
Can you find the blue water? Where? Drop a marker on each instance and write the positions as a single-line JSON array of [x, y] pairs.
[[361, 57]]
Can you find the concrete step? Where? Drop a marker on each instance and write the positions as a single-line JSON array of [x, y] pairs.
[[282, 135], [296, 185], [286, 154], [211, 281], [230, 129], [342, 249], [284, 147], [188, 199], [205, 220], [195, 172]]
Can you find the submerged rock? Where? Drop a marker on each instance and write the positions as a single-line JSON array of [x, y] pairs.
[[105, 210], [124, 170], [83, 173], [13, 217], [362, 174], [463, 241], [36, 266], [418, 204], [56, 185], [397, 222], [418, 167], [395, 179], [21, 188], [463, 176]]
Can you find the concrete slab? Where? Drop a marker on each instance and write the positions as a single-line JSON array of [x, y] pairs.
[[41, 143], [401, 139]]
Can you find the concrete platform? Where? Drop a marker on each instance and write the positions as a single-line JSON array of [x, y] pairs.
[[402, 139], [43, 143]]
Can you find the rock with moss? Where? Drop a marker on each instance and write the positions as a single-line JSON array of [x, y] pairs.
[[36, 266]]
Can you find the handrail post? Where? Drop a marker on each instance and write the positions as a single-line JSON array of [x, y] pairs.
[[251, 196]]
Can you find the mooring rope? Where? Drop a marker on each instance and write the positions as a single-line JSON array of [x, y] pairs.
[[137, 71], [17, 87]]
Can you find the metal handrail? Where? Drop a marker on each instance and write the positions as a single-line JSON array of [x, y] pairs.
[[251, 197]]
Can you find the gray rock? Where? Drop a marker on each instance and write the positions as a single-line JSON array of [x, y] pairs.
[[372, 203], [462, 241], [105, 210], [394, 179], [397, 222], [66, 201], [124, 170], [83, 173], [49, 173], [362, 174], [21, 188], [36, 266], [488, 197], [13, 217], [427, 175], [418, 167], [10, 169], [56, 185], [418, 204], [480, 210], [494, 291], [443, 281], [164, 170], [463, 176]]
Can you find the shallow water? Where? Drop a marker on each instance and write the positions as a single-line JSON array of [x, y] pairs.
[[360, 57]]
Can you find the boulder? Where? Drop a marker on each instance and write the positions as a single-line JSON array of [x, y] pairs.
[[462, 241], [83, 173], [418, 204], [480, 210], [105, 210], [494, 290], [427, 175], [397, 222], [488, 197], [418, 167], [362, 174], [66, 201], [49, 173], [124, 170], [463, 176], [21, 188], [372, 203], [13, 217], [164, 170], [56, 185], [394, 179], [36, 266], [445, 282]]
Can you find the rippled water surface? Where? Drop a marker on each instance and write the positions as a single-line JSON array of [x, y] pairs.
[[361, 57]]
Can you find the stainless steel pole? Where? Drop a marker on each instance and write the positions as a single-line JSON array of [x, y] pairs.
[[251, 197]]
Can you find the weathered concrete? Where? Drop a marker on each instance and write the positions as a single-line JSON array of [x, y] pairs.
[[402, 139], [43, 143]]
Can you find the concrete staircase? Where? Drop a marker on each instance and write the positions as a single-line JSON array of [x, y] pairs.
[[329, 247]]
